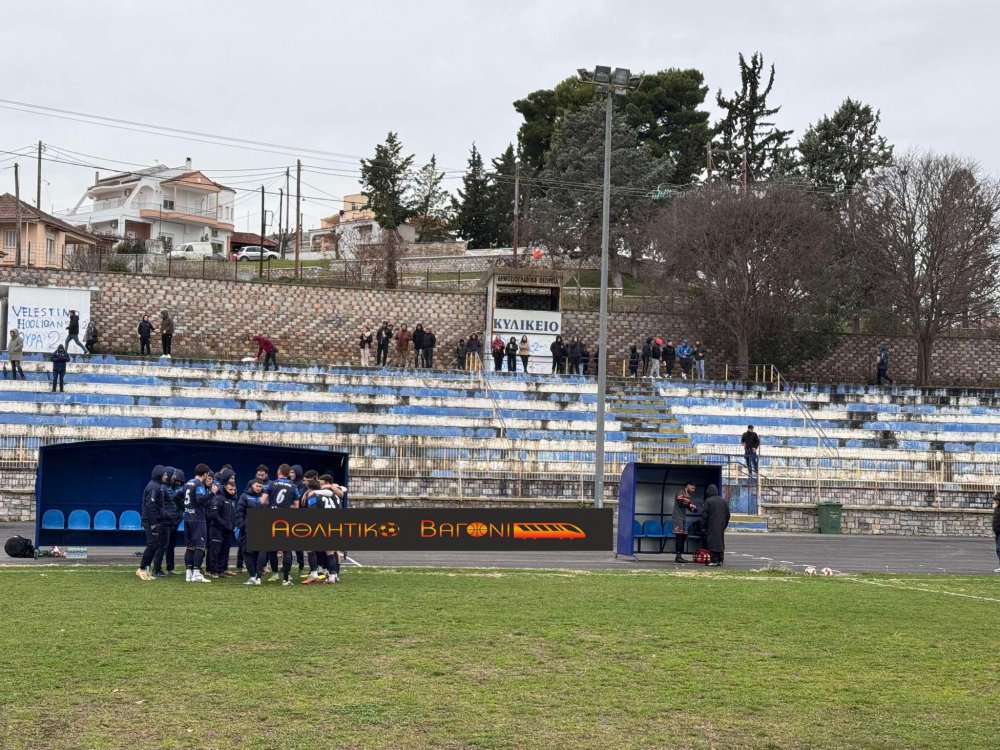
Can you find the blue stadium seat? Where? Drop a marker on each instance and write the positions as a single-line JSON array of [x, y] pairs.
[[104, 520], [79, 520], [53, 519], [130, 521]]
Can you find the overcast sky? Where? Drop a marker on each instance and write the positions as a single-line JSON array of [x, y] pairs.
[[336, 77]]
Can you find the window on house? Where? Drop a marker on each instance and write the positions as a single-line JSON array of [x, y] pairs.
[[365, 233], [50, 251], [168, 204], [215, 232], [10, 239]]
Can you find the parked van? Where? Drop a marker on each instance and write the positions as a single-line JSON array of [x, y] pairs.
[[194, 251]]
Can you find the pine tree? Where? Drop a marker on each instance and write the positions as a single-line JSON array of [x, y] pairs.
[[745, 131], [501, 198], [839, 152], [386, 183], [472, 215], [431, 203]]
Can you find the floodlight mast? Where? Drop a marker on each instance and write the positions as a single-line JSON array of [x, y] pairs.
[[619, 81]]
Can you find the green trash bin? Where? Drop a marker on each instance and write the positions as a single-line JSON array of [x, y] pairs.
[[829, 517]]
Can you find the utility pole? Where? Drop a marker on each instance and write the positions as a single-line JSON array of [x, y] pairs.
[[38, 191], [708, 160], [517, 205], [260, 267], [743, 173], [17, 214], [288, 204], [298, 215], [281, 237]]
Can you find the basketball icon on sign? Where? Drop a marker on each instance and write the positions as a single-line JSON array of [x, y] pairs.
[[476, 529]]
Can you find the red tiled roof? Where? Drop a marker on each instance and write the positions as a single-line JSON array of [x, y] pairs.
[[247, 238], [8, 213], [180, 177]]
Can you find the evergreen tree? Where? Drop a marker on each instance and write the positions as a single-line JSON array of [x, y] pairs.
[[745, 131], [431, 203], [472, 214], [501, 197], [386, 183], [839, 152]]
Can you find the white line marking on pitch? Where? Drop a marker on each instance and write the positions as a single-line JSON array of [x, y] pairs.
[[917, 588]]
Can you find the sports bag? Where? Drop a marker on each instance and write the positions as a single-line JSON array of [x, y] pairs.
[[18, 546]]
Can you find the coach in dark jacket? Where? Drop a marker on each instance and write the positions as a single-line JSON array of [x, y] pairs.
[[716, 520], [221, 515], [152, 513]]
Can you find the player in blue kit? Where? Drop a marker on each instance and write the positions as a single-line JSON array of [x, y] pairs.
[[196, 493], [279, 494], [323, 493]]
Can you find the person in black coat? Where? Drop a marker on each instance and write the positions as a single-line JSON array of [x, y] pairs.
[[418, 346], [145, 331], [511, 350], [716, 520], [460, 355], [382, 340], [152, 515], [221, 522], [430, 341], [996, 524], [59, 359], [633, 361], [558, 350]]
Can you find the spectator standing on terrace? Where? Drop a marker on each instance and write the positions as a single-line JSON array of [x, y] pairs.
[[558, 350], [996, 525], [585, 359], [717, 515], [511, 350], [669, 356], [59, 359], [418, 346], [15, 353], [430, 341], [633, 361], [365, 345], [461, 355], [751, 444], [90, 337], [497, 349], [699, 354], [684, 354], [473, 352], [882, 365], [145, 331], [166, 332], [266, 347], [73, 331], [524, 351], [382, 339], [655, 352], [403, 339], [647, 352]]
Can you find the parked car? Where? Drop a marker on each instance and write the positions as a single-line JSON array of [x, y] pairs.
[[195, 251], [253, 252]]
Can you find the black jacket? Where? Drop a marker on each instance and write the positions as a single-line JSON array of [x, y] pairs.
[[750, 440], [418, 338], [383, 337], [430, 340], [221, 515], [152, 497], [575, 349], [511, 349], [145, 329], [996, 520], [717, 517], [247, 501], [59, 359], [365, 340], [74, 324], [669, 353]]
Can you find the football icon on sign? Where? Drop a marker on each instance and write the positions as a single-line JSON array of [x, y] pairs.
[[388, 529], [476, 529]]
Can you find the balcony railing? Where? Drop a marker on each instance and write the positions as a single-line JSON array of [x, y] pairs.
[[95, 207], [216, 214]]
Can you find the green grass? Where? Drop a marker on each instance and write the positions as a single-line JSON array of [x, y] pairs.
[[402, 658]]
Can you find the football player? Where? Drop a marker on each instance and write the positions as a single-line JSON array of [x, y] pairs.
[[279, 494], [196, 493]]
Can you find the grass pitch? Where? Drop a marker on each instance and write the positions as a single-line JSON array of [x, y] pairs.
[[408, 658]]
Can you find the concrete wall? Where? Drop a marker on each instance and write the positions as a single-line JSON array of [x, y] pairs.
[[861, 519]]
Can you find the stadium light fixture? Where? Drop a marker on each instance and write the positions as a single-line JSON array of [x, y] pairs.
[[619, 82]]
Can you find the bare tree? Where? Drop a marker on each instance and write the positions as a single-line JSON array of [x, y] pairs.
[[754, 262], [931, 227]]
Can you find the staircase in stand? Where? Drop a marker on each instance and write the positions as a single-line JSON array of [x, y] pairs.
[[656, 437]]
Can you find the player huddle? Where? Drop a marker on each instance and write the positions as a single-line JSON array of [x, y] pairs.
[[214, 513]]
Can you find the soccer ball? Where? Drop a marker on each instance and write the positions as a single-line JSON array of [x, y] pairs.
[[389, 529], [810, 571], [827, 572]]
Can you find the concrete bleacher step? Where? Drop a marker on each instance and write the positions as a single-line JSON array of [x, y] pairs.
[[742, 522]]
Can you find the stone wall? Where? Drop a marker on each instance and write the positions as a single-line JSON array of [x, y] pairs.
[[968, 357], [214, 318], [861, 519], [16, 505]]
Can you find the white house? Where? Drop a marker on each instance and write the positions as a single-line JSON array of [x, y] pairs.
[[351, 227], [164, 205]]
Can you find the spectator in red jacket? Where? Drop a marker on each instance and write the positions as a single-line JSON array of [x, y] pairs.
[[266, 347]]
